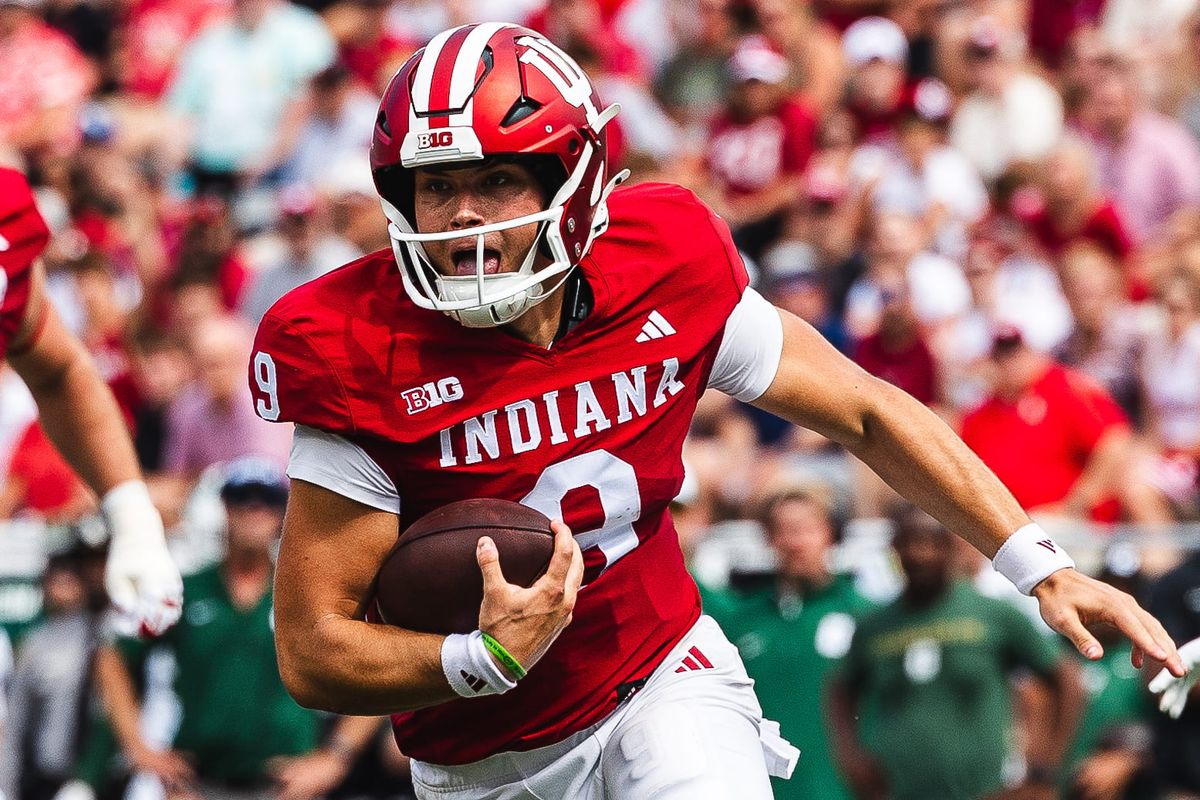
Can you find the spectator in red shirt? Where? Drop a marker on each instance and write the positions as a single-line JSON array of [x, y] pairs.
[[1052, 22], [1053, 436], [759, 147], [44, 81], [1074, 207], [40, 482], [897, 352]]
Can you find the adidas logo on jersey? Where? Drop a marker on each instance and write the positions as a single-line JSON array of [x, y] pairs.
[[694, 661], [655, 327]]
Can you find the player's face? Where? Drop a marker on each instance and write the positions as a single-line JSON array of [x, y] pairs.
[[449, 199]]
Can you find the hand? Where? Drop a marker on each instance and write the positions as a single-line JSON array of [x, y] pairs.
[[1175, 689], [1070, 601], [1105, 775], [169, 766], [527, 621], [308, 776], [142, 580]]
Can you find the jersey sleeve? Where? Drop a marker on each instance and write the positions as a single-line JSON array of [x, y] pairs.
[[339, 465], [750, 351], [292, 381], [23, 236]]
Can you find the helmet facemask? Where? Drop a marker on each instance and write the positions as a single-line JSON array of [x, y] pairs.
[[486, 300]]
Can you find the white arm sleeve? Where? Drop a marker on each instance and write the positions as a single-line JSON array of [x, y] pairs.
[[750, 349], [339, 465]]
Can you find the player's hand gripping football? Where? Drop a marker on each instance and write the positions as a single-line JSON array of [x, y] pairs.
[[527, 621], [1071, 601], [142, 580]]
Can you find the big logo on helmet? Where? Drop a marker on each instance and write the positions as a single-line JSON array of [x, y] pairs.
[[442, 138]]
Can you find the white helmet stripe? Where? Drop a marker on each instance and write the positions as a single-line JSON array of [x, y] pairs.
[[467, 62], [423, 79]]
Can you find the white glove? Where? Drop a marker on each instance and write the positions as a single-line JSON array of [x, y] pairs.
[[1175, 690], [75, 790], [142, 580]]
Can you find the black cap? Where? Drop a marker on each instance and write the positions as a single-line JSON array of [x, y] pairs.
[[254, 480]]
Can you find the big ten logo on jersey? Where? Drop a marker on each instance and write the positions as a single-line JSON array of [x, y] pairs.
[[432, 394], [443, 138]]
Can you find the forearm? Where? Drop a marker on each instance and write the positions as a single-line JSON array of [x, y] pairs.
[[77, 409], [347, 666], [843, 710], [920, 457], [1069, 701]]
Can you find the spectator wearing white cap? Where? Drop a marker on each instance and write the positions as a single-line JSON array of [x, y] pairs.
[[876, 52], [758, 148], [1010, 115]]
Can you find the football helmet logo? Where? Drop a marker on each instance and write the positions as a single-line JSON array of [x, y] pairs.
[[477, 91]]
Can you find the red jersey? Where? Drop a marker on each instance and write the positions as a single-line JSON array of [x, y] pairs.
[[911, 367], [747, 156], [589, 430], [23, 234], [1039, 445]]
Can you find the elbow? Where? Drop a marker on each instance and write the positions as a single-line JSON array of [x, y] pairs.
[[300, 684], [309, 679]]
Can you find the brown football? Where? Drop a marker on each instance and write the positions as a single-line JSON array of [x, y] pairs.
[[431, 582]]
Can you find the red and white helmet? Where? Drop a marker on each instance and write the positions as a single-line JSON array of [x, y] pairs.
[[485, 90]]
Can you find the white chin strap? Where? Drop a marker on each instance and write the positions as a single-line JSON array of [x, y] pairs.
[[482, 300]]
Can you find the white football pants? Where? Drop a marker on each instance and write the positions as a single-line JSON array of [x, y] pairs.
[[694, 732]]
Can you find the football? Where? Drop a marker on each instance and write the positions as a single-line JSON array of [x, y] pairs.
[[431, 582]]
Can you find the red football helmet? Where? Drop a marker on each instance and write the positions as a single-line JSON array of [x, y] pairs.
[[485, 90]]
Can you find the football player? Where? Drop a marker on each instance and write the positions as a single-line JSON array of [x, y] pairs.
[[81, 417], [538, 335]]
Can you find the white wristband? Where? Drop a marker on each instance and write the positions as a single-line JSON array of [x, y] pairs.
[[1030, 556], [469, 668], [130, 512]]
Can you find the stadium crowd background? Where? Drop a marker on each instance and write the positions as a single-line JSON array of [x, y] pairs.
[[994, 204]]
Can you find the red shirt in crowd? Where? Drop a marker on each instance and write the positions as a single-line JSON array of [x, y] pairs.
[[1052, 22], [911, 367], [1104, 227], [40, 68], [745, 157], [1040, 444], [154, 36], [50, 487]]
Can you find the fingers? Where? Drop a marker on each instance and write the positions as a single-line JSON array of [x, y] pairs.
[[1070, 626], [1145, 632], [565, 551], [489, 564]]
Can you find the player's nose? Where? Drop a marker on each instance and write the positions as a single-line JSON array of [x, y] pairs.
[[466, 213]]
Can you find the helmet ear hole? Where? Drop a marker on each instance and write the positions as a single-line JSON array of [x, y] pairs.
[[573, 146], [382, 122]]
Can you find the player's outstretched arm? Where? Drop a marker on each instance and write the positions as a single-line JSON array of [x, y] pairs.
[[926, 462], [81, 417]]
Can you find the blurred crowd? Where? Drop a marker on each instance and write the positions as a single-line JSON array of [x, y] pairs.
[[993, 204]]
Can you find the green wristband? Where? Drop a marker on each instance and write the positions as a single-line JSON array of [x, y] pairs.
[[503, 656]]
